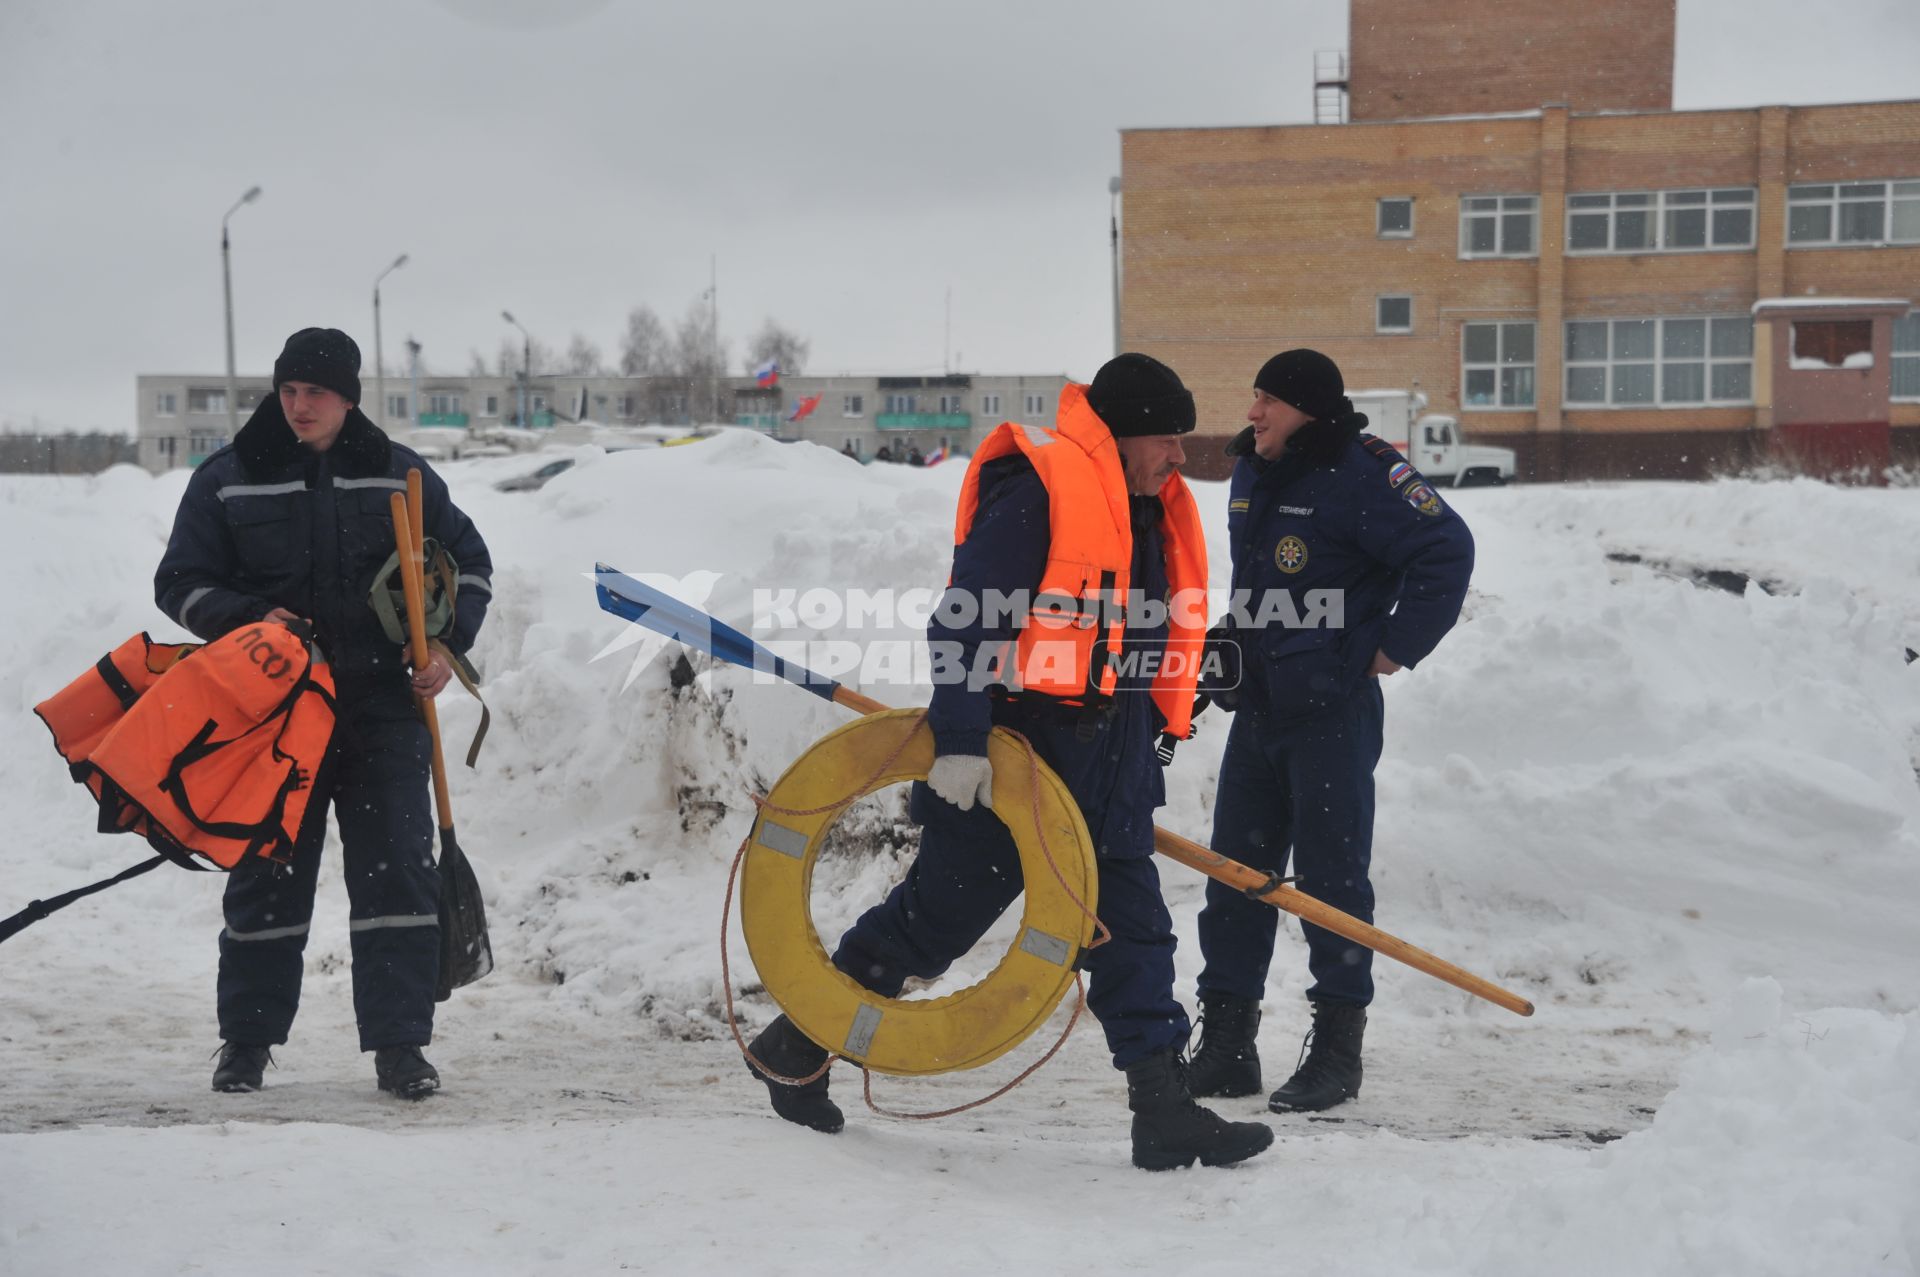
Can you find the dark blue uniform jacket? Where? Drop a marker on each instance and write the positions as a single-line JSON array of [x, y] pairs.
[[1338, 511], [1107, 760], [266, 522]]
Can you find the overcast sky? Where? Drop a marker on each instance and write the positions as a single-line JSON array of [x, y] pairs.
[[846, 163]]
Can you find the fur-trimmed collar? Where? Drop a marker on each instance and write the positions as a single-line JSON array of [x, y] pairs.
[[1317, 442], [267, 445]]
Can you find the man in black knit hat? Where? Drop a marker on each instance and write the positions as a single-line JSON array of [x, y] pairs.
[[1347, 567], [1054, 513], [291, 524]]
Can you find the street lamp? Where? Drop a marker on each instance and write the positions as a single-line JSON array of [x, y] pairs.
[[379, 361], [1113, 223], [526, 366], [226, 283]]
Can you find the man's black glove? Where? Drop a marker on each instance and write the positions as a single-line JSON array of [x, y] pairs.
[[1220, 667]]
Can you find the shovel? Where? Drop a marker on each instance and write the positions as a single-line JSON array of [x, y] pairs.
[[465, 952]]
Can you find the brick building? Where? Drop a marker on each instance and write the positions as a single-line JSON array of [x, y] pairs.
[[1549, 252]]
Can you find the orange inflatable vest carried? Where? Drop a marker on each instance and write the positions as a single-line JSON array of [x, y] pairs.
[[208, 753]]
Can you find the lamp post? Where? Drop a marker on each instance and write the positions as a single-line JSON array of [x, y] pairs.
[[226, 284], [1113, 224], [379, 360], [526, 366]]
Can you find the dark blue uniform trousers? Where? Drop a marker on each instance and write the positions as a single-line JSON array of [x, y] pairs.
[[1304, 788], [966, 873], [375, 779]]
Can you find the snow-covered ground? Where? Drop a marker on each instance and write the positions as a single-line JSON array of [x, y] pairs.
[[1684, 821]]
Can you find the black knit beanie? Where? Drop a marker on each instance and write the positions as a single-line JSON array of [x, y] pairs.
[[1138, 395], [323, 356], [1308, 380]]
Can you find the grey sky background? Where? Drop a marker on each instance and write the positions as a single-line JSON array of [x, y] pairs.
[[846, 163]]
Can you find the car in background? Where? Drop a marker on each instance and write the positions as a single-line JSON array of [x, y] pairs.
[[538, 479]]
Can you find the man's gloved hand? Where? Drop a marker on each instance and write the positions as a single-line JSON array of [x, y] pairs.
[[1221, 669], [962, 778]]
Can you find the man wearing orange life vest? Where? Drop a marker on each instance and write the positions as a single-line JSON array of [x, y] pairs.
[[1089, 526], [291, 522]]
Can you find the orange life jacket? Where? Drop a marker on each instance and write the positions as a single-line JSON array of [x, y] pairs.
[[1072, 638], [204, 751]]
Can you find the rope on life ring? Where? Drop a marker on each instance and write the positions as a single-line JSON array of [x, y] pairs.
[[916, 1037]]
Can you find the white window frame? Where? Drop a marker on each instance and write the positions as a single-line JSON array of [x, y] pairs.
[[1379, 320], [213, 402], [397, 407], [165, 403], [1835, 197], [623, 406], [1037, 406], [1906, 357], [490, 406], [901, 402], [1504, 208], [1661, 208], [1380, 230], [989, 405], [853, 405], [953, 403], [443, 402], [1658, 361], [1500, 366], [536, 403]]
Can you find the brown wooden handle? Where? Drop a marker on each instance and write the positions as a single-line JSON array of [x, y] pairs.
[[406, 544]]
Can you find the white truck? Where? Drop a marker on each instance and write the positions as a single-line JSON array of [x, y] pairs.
[[1433, 442]]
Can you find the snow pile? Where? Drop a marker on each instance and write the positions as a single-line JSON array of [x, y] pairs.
[[1649, 804]]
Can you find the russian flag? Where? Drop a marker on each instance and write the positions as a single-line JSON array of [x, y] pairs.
[[938, 455], [768, 374], [803, 407]]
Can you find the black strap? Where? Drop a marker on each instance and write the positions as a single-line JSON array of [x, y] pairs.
[[116, 681], [39, 909]]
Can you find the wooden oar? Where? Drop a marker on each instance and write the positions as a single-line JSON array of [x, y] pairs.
[[625, 597]]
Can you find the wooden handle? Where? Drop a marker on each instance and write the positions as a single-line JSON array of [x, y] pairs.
[[1298, 903], [406, 544]]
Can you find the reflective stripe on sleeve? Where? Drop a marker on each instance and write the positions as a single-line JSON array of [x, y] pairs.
[[398, 485], [467, 581], [395, 920], [275, 933], [233, 490]]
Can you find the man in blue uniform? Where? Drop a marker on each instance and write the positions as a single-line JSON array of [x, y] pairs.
[[1104, 482], [291, 523], [1347, 567]]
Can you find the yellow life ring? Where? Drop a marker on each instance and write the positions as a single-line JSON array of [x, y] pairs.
[[918, 1036]]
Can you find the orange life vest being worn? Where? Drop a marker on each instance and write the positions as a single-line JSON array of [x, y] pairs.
[[1068, 646], [204, 751]]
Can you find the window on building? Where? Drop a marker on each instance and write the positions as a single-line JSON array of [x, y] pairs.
[[1906, 357], [989, 405], [1393, 218], [396, 407], [1496, 365], [1833, 343], [1393, 314], [623, 407], [163, 446], [853, 405], [206, 400], [1854, 213], [953, 403], [1660, 221], [1499, 225], [165, 403], [537, 403], [490, 406], [1658, 363], [1036, 406], [443, 403], [902, 403]]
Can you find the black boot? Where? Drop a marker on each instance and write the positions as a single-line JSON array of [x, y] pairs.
[[403, 1071], [1227, 1063], [785, 1050], [1170, 1130], [240, 1066], [1329, 1071]]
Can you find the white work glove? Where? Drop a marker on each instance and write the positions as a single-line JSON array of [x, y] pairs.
[[961, 778]]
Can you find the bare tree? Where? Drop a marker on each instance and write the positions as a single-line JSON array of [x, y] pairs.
[[645, 350], [583, 357], [701, 357], [775, 342], [508, 359]]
